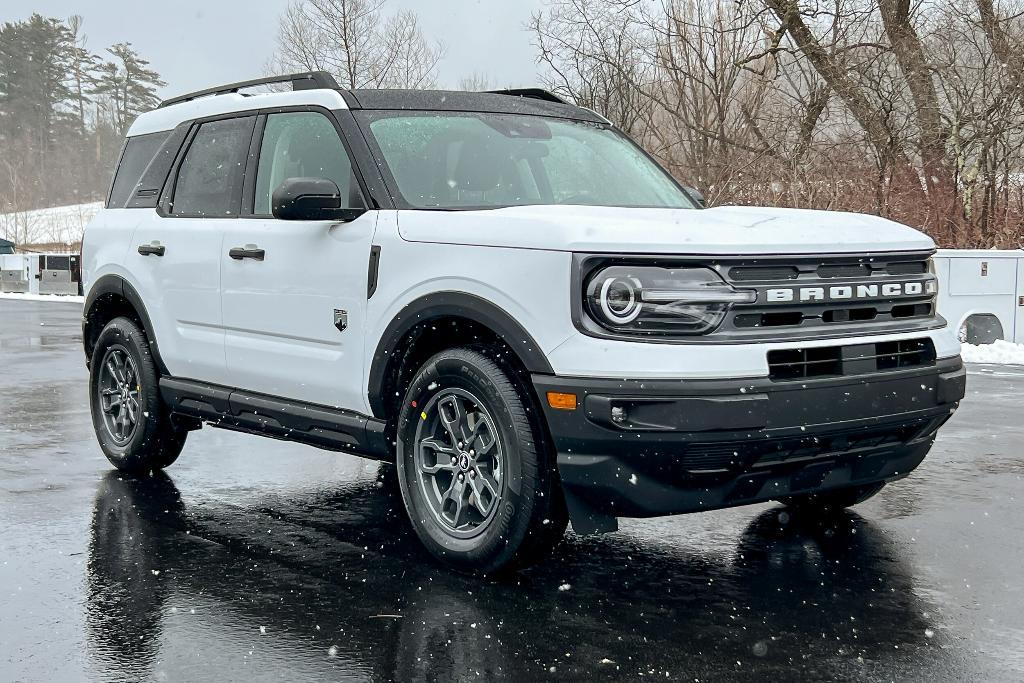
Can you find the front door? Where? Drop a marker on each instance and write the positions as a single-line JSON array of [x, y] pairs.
[[294, 293]]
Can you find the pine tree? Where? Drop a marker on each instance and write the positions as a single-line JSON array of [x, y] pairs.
[[83, 67], [34, 62], [128, 83]]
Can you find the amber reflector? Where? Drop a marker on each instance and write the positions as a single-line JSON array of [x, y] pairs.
[[560, 401]]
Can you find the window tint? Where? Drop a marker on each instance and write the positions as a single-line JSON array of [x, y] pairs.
[[450, 161], [210, 177], [138, 152], [302, 145]]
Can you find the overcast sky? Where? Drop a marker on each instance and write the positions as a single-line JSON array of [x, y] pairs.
[[195, 44]]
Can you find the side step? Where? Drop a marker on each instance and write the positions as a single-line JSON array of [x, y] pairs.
[[321, 426]]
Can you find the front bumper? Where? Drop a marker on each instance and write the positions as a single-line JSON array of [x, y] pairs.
[[640, 448]]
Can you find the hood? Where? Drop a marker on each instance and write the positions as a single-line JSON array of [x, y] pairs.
[[724, 230]]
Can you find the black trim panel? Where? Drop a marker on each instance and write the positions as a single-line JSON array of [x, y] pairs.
[[373, 268], [118, 286], [442, 304], [321, 426], [643, 448]]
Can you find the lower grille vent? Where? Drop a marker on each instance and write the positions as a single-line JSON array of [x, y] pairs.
[[836, 361]]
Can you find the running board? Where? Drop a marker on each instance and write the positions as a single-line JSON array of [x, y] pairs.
[[332, 429]]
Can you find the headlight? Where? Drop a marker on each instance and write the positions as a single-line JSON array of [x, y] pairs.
[[650, 300]]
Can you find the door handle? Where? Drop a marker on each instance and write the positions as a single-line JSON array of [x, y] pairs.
[[239, 253], [155, 249]]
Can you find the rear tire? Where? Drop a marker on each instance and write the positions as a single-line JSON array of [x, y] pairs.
[[833, 501], [478, 479], [134, 429]]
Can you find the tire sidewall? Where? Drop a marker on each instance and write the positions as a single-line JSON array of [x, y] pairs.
[[455, 370], [130, 456]]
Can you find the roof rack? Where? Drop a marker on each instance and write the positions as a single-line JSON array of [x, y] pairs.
[[532, 93], [308, 80]]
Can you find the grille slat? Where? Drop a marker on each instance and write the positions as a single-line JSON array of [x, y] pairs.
[[837, 361], [763, 273]]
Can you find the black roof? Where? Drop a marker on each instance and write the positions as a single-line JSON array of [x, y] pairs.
[[513, 101], [507, 102]]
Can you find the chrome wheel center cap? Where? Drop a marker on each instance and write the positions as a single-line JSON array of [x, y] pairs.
[[464, 462]]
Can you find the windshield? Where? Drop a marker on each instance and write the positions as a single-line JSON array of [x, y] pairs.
[[446, 160]]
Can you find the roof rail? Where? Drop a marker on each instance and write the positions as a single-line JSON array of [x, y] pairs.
[[532, 93], [307, 80]]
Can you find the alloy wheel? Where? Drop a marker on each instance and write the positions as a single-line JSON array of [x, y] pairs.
[[118, 392], [459, 462]]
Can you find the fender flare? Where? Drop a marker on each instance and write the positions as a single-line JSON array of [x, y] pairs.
[[118, 286], [443, 304]]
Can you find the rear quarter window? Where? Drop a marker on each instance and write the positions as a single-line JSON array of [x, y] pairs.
[[138, 152]]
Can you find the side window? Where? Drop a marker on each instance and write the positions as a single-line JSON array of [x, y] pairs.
[[138, 152], [302, 145], [210, 177]]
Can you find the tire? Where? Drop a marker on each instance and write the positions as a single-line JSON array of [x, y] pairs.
[[833, 501], [151, 441], [507, 510]]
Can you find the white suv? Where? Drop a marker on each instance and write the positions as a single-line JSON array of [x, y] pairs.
[[506, 297]]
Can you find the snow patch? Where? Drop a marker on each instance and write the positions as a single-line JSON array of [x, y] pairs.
[[1001, 352], [55, 224], [44, 297]]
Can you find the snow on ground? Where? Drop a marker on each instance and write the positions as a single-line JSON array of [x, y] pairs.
[[1001, 352], [59, 298], [55, 224]]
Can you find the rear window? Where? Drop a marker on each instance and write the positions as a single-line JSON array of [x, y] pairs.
[[210, 178], [138, 152]]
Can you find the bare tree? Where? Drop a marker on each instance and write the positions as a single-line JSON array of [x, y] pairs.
[[475, 82], [912, 109], [353, 41]]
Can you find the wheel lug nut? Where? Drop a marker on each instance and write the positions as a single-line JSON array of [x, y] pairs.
[[461, 477], [472, 474], [472, 452], [460, 444], [454, 460]]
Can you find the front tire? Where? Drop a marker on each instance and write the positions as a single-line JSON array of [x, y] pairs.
[[133, 427], [477, 478]]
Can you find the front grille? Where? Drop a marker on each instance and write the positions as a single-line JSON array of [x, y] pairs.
[[853, 359], [807, 297]]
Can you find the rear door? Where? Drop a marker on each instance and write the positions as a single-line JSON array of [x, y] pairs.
[[294, 311], [177, 248]]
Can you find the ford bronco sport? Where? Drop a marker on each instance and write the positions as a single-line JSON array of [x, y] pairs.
[[507, 298]]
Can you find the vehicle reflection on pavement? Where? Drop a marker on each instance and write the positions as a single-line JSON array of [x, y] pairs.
[[333, 585]]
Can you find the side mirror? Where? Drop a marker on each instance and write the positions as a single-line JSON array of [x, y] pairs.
[[694, 194], [311, 199]]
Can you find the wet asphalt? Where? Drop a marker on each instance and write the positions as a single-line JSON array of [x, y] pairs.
[[253, 559]]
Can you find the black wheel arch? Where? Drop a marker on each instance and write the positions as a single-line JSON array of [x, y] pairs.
[[109, 297], [451, 305]]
